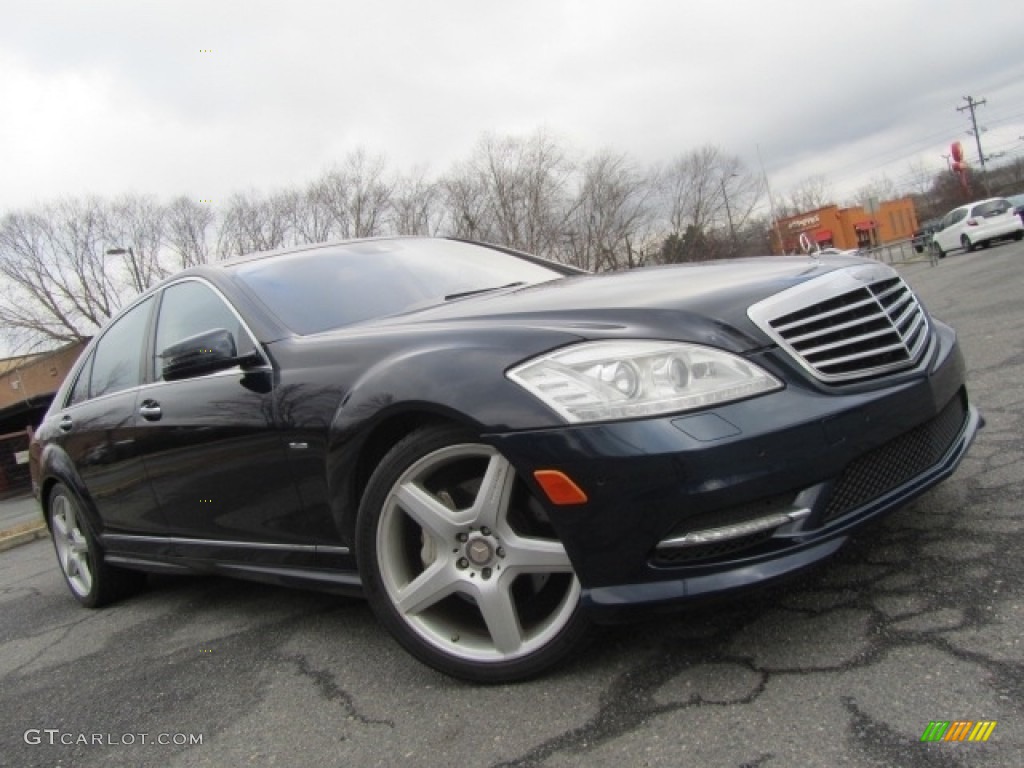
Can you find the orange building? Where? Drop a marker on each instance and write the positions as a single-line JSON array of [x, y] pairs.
[[846, 228]]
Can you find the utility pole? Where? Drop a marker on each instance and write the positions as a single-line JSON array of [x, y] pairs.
[[971, 104], [771, 201]]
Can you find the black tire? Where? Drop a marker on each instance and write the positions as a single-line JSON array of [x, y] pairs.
[[92, 581], [938, 250], [460, 564], [965, 241], [1018, 235]]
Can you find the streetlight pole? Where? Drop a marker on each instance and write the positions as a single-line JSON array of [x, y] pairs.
[[131, 263], [728, 211]]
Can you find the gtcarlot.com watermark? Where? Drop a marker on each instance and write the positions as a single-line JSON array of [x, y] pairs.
[[55, 737]]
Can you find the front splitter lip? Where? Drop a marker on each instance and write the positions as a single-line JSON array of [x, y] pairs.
[[621, 601]]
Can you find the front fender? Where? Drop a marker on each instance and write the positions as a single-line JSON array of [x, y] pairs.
[[459, 380]]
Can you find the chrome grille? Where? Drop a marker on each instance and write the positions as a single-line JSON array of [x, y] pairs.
[[849, 324]]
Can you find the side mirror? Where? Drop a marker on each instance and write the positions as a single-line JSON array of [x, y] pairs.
[[203, 353]]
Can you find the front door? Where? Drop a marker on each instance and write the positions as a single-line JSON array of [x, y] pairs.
[[213, 456]]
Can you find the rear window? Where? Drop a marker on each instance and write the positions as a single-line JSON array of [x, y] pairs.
[[992, 208], [334, 286]]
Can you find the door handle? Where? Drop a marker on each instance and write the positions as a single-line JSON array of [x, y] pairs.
[[150, 410], [66, 424]]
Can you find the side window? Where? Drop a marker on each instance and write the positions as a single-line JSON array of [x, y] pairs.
[[80, 391], [959, 216], [117, 360], [192, 307]]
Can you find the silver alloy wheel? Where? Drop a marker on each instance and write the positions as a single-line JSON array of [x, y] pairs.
[[72, 546], [464, 579]]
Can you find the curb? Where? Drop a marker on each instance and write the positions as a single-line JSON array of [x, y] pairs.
[[16, 537]]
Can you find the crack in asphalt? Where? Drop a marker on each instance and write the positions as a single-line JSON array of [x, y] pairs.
[[628, 702], [881, 742], [324, 682], [68, 628]]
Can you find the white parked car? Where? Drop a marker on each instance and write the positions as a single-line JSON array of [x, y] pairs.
[[979, 223]]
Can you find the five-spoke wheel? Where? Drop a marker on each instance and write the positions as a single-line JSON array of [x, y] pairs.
[[461, 563], [92, 581], [71, 545]]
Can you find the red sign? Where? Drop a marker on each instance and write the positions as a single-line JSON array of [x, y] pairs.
[[958, 151]]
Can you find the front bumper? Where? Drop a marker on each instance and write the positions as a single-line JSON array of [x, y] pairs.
[[659, 489]]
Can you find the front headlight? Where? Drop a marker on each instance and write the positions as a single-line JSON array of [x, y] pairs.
[[601, 380]]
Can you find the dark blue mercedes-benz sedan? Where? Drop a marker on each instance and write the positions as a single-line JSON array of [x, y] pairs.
[[494, 449]]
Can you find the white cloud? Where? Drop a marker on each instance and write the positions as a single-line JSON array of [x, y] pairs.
[[109, 97]]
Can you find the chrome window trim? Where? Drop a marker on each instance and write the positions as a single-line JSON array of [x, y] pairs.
[[227, 303], [93, 343]]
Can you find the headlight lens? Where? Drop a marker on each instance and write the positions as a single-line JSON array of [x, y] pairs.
[[602, 380]]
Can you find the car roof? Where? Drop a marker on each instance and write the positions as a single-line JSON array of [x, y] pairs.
[[259, 255]]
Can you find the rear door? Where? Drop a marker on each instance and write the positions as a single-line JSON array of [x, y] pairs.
[[98, 429]]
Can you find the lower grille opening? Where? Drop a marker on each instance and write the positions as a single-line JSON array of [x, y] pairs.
[[898, 461]]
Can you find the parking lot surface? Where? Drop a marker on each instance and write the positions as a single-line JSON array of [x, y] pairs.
[[919, 620]]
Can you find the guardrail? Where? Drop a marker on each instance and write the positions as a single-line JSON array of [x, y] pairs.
[[899, 252]]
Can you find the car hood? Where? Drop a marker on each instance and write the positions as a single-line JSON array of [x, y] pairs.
[[705, 303]]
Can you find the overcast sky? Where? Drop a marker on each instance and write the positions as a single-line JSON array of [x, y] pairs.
[[111, 97]]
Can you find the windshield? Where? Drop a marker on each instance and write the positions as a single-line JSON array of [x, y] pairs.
[[333, 286]]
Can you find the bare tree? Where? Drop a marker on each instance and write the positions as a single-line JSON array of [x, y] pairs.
[[465, 205], [187, 231], [253, 223], [610, 224], [357, 195], [690, 185], [879, 188], [709, 197], [370, 200], [57, 289], [135, 230], [514, 191], [309, 218], [810, 194], [416, 206]]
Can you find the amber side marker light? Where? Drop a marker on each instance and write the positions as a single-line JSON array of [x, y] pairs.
[[558, 486]]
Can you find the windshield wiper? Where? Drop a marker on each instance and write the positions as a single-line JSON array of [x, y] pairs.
[[451, 296]]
